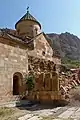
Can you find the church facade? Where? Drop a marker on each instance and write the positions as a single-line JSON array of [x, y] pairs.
[[23, 50]]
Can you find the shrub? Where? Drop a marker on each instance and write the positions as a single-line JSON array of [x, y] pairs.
[[30, 82]]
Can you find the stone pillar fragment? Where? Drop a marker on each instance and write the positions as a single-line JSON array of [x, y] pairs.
[[55, 82], [39, 82], [47, 81]]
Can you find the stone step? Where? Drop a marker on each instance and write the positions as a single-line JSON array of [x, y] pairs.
[[14, 103], [60, 113], [67, 113], [25, 117], [35, 118], [30, 117]]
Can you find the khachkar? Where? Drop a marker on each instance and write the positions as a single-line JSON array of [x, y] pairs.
[[46, 83]]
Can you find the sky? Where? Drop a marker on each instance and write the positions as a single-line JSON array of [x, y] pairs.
[[55, 16]]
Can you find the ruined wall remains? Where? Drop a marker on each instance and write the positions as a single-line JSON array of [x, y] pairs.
[[69, 80], [46, 83]]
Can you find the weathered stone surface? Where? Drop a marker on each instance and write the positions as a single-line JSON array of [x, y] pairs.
[[47, 81], [43, 50], [55, 81], [12, 60]]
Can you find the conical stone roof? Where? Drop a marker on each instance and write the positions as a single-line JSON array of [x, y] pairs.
[[28, 16]]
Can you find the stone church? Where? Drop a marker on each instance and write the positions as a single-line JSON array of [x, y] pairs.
[[24, 49]]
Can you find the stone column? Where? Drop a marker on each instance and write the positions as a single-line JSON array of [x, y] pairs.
[[47, 81], [39, 82], [55, 82]]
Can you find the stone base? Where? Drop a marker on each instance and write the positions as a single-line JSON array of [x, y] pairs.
[[45, 96], [16, 103], [9, 98]]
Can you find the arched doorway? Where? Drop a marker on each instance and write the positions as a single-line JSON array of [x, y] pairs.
[[17, 83]]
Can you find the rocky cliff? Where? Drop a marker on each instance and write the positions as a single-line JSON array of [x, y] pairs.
[[66, 45]]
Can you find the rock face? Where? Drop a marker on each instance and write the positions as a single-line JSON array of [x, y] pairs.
[[66, 45]]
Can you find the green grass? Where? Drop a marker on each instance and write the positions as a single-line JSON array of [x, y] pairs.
[[70, 63]]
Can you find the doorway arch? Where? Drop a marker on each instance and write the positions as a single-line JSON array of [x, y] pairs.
[[17, 83]]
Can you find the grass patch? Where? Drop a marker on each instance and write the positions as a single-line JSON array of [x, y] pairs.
[[11, 113], [6, 111], [70, 63]]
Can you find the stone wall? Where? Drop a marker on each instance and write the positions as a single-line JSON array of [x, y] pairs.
[[46, 83], [43, 50], [36, 64], [28, 28], [13, 59]]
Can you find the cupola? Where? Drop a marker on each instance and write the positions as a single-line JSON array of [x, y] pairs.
[[28, 26]]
